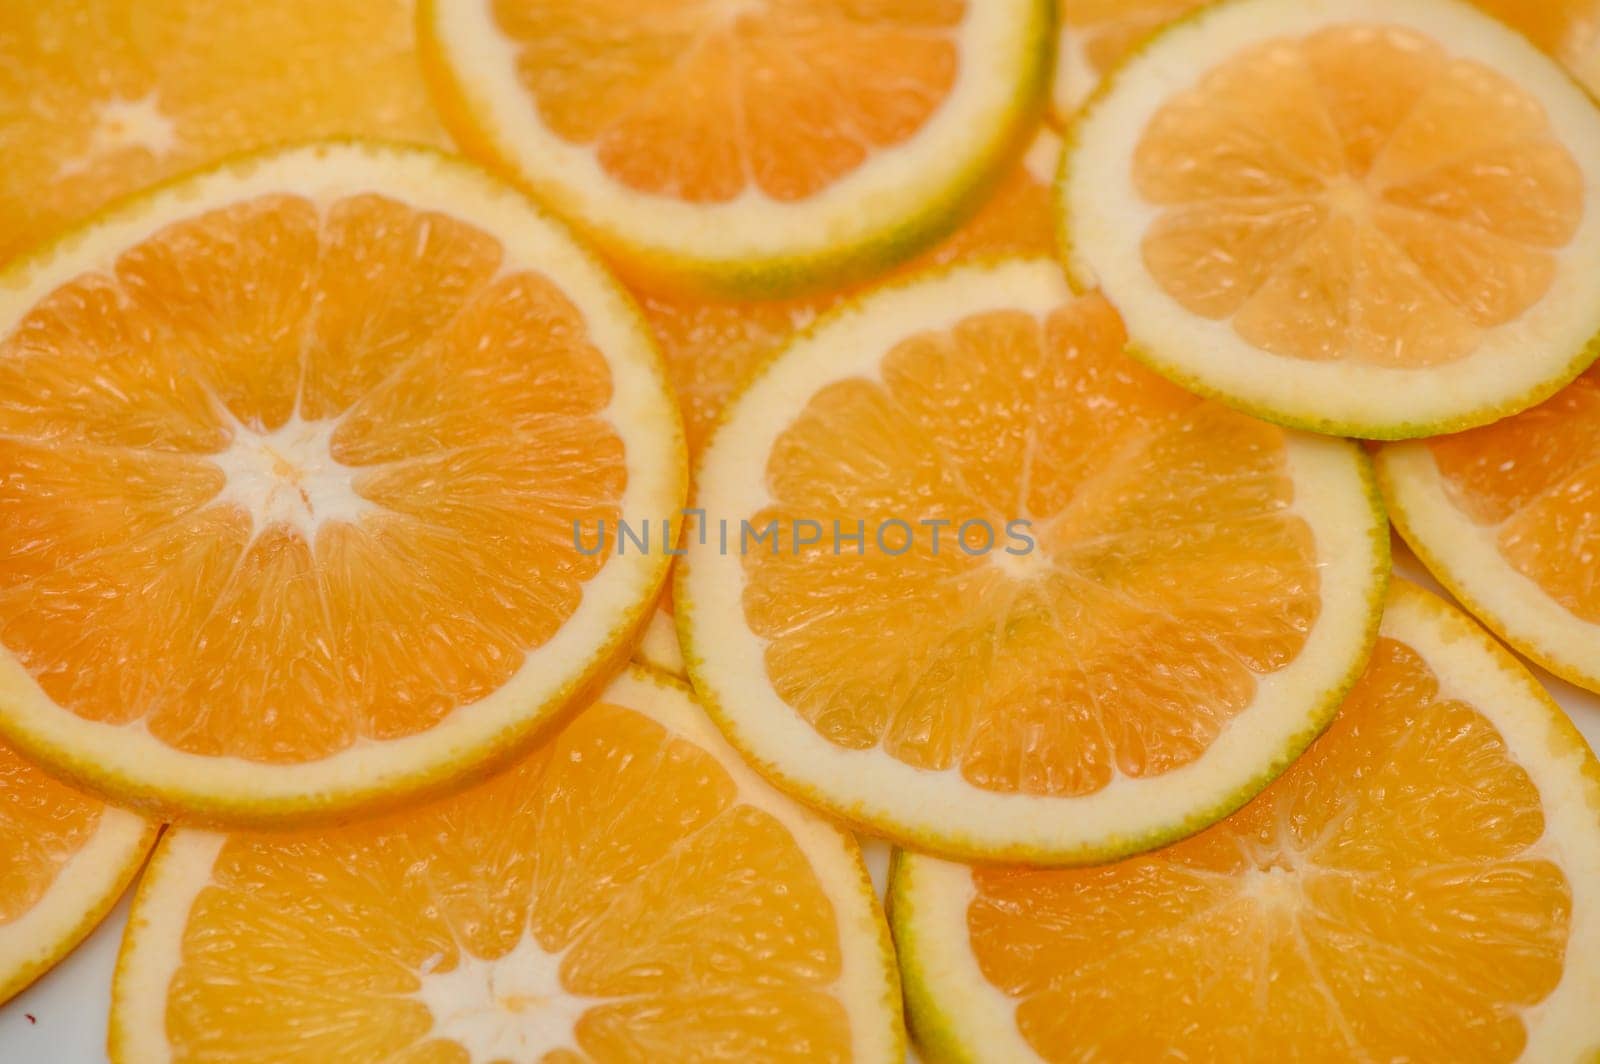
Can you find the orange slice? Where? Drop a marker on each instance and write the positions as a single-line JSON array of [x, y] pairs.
[[1508, 518], [1157, 605], [745, 147], [100, 98], [1366, 218], [65, 860], [1423, 885], [714, 346], [291, 457], [630, 892]]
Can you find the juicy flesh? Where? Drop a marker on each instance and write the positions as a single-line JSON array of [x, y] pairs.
[[1357, 195], [1169, 572], [44, 825], [1533, 482], [708, 100], [683, 923], [99, 98], [460, 409], [1385, 899]]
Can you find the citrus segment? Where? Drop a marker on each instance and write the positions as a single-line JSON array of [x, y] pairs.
[[1505, 516], [101, 98], [1359, 222], [65, 861], [743, 147], [995, 691], [301, 519], [630, 891], [1421, 885]]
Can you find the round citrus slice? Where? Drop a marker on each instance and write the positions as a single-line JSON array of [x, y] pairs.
[[1508, 518], [714, 346], [1423, 885], [745, 147], [630, 892], [65, 859], [974, 581], [293, 457], [1370, 218], [100, 98]]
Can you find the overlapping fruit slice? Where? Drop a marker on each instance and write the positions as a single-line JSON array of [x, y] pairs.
[[65, 858], [1423, 885], [100, 98], [1083, 611], [714, 346], [631, 891], [1508, 517], [291, 459], [747, 147], [1364, 219]]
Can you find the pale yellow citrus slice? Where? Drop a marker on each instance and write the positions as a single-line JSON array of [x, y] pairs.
[[1372, 218], [1423, 885], [745, 147], [630, 892], [1094, 36], [1508, 518], [1168, 602], [713, 346], [65, 859], [101, 98], [291, 459]]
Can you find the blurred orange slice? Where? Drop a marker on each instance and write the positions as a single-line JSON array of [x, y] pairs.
[[1508, 518], [291, 459], [1423, 885], [101, 98], [1158, 604], [630, 892], [65, 859], [1366, 219], [745, 148]]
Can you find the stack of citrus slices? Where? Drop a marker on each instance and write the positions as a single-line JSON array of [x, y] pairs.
[[996, 492]]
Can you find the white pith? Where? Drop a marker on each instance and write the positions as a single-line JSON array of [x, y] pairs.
[[659, 647], [87, 884], [182, 868], [511, 1008], [123, 124], [290, 477], [939, 811], [996, 43], [130, 761], [1106, 219], [1466, 557], [932, 897]]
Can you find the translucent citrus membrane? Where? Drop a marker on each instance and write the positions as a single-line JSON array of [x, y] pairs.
[[1383, 900], [1169, 573], [99, 98], [283, 478], [689, 924], [1533, 480], [44, 825], [1357, 194], [709, 100]]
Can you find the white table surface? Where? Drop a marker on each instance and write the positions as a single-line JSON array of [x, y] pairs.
[[68, 1006]]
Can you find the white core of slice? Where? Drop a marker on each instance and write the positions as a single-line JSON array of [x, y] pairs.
[[512, 1008], [290, 477]]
